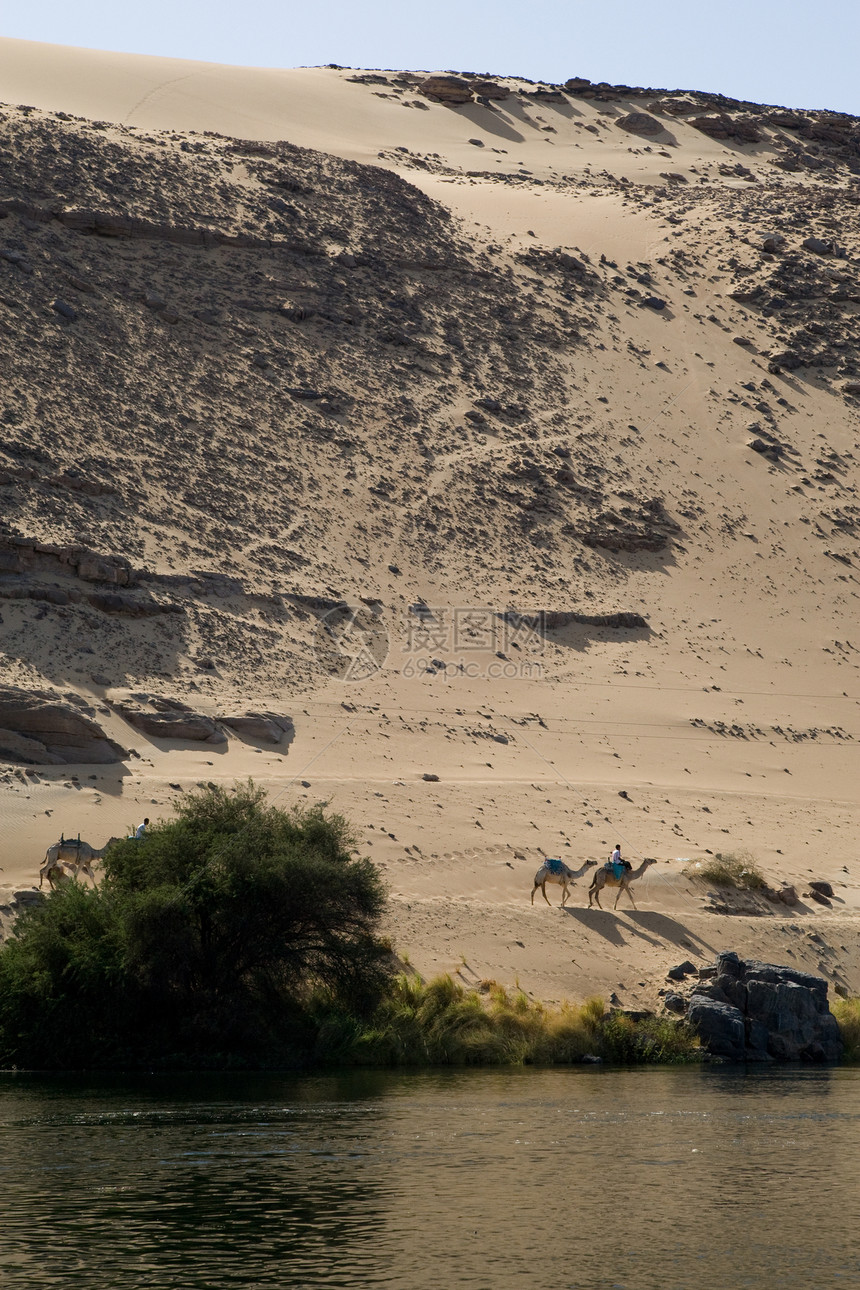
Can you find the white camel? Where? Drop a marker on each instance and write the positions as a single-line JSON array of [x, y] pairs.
[[70, 858], [606, 878], [559, 874]]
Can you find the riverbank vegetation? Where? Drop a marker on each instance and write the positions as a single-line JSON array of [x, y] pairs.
[[442, 1022], [847, 1014], [239, 935], [202, 944]]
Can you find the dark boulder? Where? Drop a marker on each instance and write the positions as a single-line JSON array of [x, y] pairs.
[[782, 1013], [681, 970], [719, 1026], [640, 123]]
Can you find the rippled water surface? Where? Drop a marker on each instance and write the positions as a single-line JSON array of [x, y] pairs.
[[541, 1179]]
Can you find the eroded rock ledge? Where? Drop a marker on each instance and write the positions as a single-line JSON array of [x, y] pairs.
[[39, 728]]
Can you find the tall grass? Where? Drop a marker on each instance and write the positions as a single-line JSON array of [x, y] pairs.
[[441, 1023], [847, 1014], [735, 869]]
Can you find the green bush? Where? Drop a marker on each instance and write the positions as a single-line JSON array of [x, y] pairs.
[[204, 943], [847, 1014], [737, 869]]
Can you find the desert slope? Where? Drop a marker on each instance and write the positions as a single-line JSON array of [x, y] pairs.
[[510, 441]]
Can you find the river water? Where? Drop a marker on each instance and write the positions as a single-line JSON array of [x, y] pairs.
[[702, 1179]]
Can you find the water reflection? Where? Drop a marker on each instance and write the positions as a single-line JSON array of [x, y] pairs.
[[550, 1179]]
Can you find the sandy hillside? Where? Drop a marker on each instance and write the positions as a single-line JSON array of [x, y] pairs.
[[358, 431]]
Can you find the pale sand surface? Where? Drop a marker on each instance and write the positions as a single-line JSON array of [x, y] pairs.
[[751, 622]]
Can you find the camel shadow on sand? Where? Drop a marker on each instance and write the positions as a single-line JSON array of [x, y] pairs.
[[643, 924], [669, 929], [610, 925]]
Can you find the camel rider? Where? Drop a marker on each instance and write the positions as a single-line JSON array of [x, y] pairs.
[[616, 864]]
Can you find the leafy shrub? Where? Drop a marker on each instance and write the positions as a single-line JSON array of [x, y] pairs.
[[205, 941], [737, 869], [847, 1014]]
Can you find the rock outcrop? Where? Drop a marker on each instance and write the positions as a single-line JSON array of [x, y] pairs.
[[550, 619], [265, 727], [42, 729], [759, 1012], [723, 126], [640, 123], [446, 89], [169, 719]]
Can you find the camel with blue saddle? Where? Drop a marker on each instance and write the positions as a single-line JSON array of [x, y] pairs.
[[608, 876], [554, 870]]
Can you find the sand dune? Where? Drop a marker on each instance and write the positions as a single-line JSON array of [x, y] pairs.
[[316, 422]]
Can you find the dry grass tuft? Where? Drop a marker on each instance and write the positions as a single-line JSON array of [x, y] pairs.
[[847, 1014], [444, 1023], [734, 869]]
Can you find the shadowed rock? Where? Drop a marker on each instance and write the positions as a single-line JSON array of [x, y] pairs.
[[170, 720], [640, 123], [446, 89], [266, 727], [39, 728]]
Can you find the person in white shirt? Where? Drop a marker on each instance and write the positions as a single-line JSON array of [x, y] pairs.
[[140, 831], [616, 864]]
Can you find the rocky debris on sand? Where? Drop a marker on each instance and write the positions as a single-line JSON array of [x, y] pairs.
[[168, 719], [645, 526], [759, 1012], [766, 449], [28, 555], [267, 727], [823, 887], [40, 728]]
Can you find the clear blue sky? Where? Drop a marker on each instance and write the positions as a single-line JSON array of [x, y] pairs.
[[779, 51]]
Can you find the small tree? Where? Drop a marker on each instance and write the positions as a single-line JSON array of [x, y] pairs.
[[208, 937]]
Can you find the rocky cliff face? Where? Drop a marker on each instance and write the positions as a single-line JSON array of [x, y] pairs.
[[239, 374]]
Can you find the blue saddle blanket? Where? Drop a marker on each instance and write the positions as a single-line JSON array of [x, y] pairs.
[[617, 870], [554, 866]]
